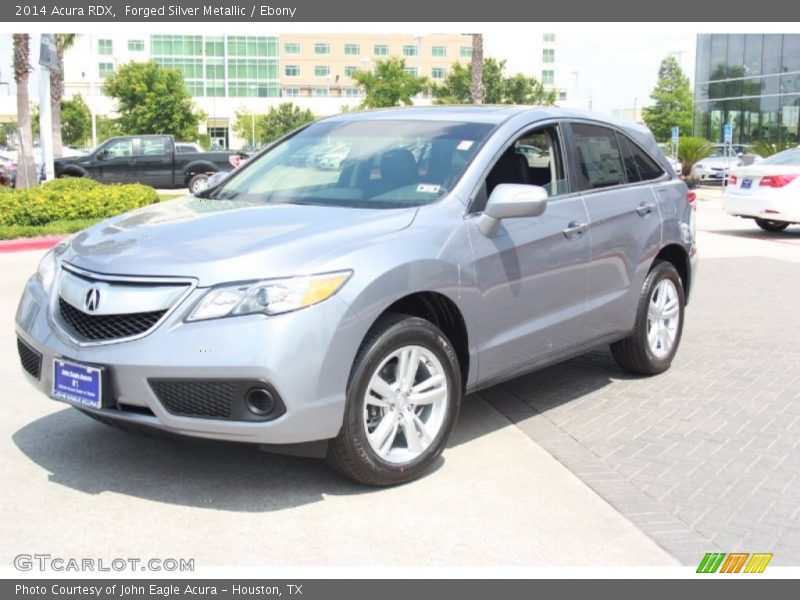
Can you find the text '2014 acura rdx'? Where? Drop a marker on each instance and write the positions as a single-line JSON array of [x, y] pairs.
[[349, 285]]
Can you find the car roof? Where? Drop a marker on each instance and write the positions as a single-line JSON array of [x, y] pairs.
[[486, 113]]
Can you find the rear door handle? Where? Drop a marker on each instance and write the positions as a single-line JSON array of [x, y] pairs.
[[645, 208], [575, 229]]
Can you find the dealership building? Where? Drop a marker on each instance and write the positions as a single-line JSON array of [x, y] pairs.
[[751, 81], [240, 73]]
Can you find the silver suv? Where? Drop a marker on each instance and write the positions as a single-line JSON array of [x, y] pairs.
[[346, 307]]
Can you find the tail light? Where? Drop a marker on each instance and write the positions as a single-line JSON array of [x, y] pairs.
[[691, 198], [776, 181], [235, 160], [732, 180]]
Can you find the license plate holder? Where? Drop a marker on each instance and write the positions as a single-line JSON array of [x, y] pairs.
[[747, 184], [78, 383]]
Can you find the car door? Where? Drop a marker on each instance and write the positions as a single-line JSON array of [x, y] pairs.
[[112, 163], [532, 273], [153, 163], [614, 175]]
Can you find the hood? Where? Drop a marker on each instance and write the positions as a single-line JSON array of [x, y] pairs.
[[218, 240]]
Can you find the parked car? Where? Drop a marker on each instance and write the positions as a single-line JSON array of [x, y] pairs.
[[148, 159], [767, 192], [715, 167], [347, 312], [8, 172]]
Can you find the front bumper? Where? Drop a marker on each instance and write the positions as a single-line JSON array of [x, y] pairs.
[[305, 355]]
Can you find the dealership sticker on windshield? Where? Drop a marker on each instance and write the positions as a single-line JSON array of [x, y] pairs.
[[428, 188], [465, 145]]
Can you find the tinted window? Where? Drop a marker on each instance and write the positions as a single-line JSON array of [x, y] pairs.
[[119, 148], [598, 155], [638, 165]]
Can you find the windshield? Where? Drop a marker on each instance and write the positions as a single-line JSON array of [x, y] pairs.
[[787, 157], [369, 164]]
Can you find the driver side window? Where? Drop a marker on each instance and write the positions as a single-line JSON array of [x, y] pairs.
[[533, 159]]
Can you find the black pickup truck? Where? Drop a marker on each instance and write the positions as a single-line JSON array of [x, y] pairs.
[[148, 159]]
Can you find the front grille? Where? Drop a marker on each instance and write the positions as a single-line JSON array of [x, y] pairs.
[[206, 398], [107, 327], [31, 360]]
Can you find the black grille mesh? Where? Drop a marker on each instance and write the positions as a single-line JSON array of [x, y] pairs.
[[31, 360], [205, 398], [107, 327]]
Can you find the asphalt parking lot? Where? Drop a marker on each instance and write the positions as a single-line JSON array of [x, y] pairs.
[[578, 464]]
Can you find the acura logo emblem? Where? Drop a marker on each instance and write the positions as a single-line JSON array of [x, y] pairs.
[[92, 300]]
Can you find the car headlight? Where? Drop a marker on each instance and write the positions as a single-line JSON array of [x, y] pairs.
[[269, 297], [46, 271], [699, 166]]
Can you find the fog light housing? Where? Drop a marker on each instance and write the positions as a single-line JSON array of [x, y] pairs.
[[260, 401]]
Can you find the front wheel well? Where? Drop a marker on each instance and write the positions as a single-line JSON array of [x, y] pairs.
[[677, 256], [442, 312]]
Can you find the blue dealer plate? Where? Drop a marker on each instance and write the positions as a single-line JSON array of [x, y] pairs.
[[747, 184], [78, 383]]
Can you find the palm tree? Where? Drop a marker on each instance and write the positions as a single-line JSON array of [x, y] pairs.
[[64, 41], [476, 89], [26, 168]]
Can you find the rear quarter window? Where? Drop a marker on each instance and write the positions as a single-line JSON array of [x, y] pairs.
[[638, 164]]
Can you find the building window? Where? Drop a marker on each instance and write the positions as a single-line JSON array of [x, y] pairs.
[[105, 69], [348, 71], [410, 50], [252, 68], [322, 48], [352, 49], [251, 46], [411, 71], [465, 52], [321, 92], [215, 69], [352, 93], [136, 45], [176, 45], [291, 92], [291, 70], [215, 46], [548, 55], [322, 71], [253, 89], [438, 51], [291, 48], [548, 77], [549, 37], [105, 47], [437, 73], [380, 50]]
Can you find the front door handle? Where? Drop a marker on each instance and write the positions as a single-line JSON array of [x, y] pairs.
[[645, 208], [575, 229]]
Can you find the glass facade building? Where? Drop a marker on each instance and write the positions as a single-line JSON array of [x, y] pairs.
[[751, 81], [217, 66]]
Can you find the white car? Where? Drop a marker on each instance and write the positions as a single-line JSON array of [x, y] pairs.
[[676, 165], [768, 192]]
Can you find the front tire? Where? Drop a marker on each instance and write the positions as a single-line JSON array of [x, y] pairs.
[[403, 400], [649, 350], [772, 226]]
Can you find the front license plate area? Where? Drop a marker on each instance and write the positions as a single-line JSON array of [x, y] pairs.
[[78, 383]]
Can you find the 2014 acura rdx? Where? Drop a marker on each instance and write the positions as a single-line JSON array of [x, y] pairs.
[[352, 282]]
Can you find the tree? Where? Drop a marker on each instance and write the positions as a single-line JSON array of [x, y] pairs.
[[476, 89], [26, 168], [76, 121], [498, 89], [153, 99], [673, 101], [106, 128], [64, 41], [278, 121], [389, 84]]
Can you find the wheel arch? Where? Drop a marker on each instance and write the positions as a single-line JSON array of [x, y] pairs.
[[679, 258], [197, 167]]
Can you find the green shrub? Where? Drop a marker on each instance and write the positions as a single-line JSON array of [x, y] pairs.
[[71, 198], [692, 150], [765, 148]]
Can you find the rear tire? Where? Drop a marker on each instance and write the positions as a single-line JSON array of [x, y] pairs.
[[198, 183], [649, 350], [403, 399], [772, 226]]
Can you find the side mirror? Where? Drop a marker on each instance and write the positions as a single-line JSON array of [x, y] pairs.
[[102, 155], [509, 201]]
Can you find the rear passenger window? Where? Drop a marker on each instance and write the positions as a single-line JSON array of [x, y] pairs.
[[638, 165], [599, 159]]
